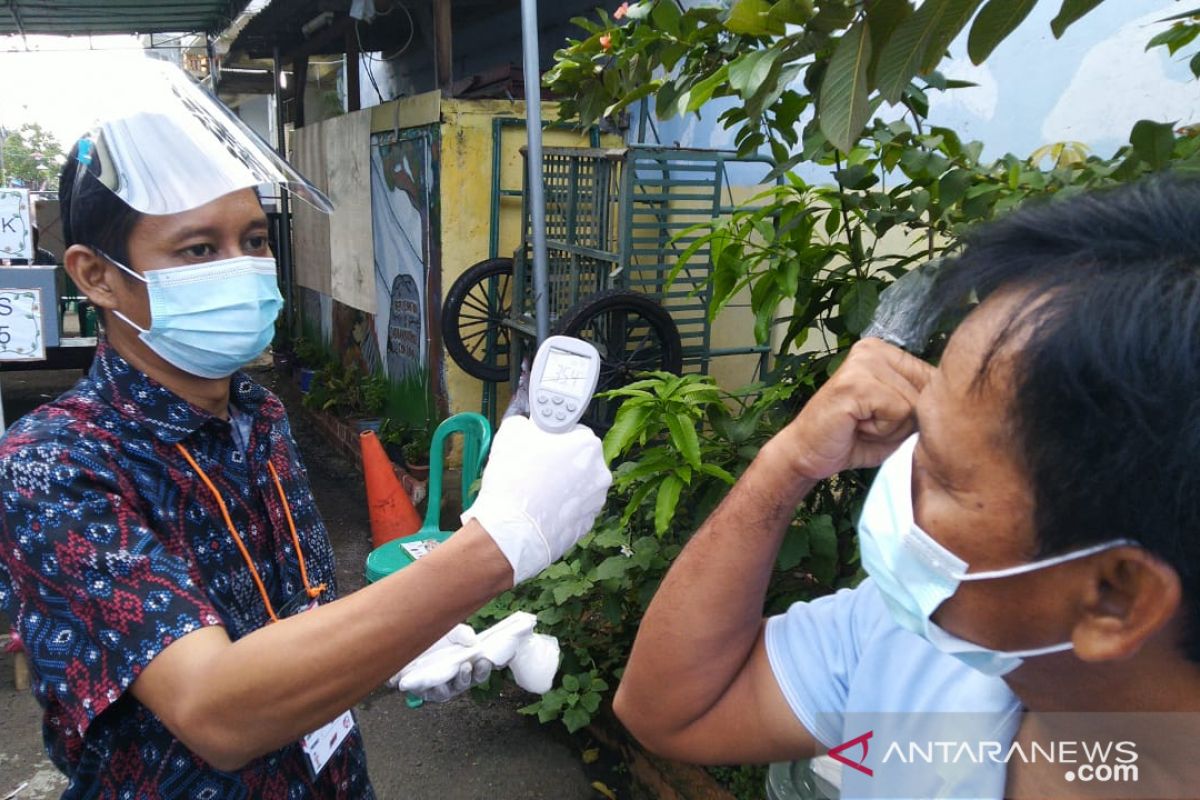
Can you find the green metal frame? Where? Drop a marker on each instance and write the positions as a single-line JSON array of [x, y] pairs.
[[612, 218], [499, 192], [82, 17]]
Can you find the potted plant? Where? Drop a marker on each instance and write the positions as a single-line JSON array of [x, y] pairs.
[[416, 452], [392, 436]]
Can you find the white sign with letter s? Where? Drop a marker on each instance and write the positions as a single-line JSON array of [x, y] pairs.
[[21, 325]]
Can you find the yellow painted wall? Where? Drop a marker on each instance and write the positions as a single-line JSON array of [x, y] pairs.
[[466, 185]]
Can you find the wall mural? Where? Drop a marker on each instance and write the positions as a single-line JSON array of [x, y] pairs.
[[402, 194]]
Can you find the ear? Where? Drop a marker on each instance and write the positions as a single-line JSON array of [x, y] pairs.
[[93, 275], [1132, 596]]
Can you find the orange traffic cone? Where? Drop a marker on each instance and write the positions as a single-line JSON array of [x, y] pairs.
[[392, 513]]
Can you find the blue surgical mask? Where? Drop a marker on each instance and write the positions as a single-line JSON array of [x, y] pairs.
[[210, 319], [915, 574]]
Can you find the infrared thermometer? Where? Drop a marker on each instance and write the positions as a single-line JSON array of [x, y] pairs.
[[562, 381]]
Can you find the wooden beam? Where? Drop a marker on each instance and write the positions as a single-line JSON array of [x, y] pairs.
[[300, 78], [353, 92], [443, 38], [327, 41]]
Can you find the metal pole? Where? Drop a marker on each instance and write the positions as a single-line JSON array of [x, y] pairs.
[[214, 73], [537, 194], [285, 220]]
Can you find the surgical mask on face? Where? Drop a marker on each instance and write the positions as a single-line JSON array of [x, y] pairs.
[[915, 574], [210, 319]]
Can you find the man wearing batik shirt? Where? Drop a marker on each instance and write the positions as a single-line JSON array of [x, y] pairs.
[[161, 555], [120, 557]]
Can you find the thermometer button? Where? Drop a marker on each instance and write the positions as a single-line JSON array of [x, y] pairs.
[[560, 415], [547, 411], [557, 400], [571, 406], [542, 398]]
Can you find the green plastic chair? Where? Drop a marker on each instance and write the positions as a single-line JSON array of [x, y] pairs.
[[477, 440]]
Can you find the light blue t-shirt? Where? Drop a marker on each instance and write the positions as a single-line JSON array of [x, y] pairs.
[[847, 669]]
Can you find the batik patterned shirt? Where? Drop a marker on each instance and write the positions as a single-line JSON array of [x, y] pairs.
[[111, 548]]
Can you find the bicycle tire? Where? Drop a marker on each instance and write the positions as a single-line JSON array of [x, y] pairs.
[[468, 316], [635, 313]]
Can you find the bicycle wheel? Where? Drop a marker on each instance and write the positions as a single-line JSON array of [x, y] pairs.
[[472, 319], [633, 334]]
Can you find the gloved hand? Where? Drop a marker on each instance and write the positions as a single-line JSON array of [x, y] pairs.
[[450, 666], [540, 493]]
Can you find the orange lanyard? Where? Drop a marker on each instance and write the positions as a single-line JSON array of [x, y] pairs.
[[287, 510]]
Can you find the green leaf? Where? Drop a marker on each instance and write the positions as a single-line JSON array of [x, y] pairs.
[[635, 501], [919, 44], [567, 589], [1175, 37], [883, 18], [576, 718], [1153, 141], [858, 305], [665, 16], [718, 472], [1194, 65], [664, 506], [553, 701], [995, 22], [952, 186], [832, 17], [610, 535], [749, 70], [644, 90], [794, 12], [612, 567], [1069, 13], [570, 683], [1195, 12], [702, 91], [627, 425], [753, 18], [684, 438], [794, 548], [842, 106], [822, 541]]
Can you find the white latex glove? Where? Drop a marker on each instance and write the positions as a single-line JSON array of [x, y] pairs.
[[535, 663], [540, 493], [451, 666]]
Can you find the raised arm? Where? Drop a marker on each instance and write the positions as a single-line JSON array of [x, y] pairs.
[[698, 686]]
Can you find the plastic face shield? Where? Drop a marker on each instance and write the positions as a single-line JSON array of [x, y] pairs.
[[164, 145]]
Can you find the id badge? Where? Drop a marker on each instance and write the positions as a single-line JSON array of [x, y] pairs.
[[320, 745]]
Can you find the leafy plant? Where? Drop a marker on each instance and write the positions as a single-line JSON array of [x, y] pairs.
[[309, 351], [345, 390], [743, 782], [594, 598], [392, 432], [375, 393], [418, 441], [814, 258], [576, 699], [851, 55]]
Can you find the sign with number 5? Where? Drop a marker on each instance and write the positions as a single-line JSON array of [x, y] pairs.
[[21, 325]]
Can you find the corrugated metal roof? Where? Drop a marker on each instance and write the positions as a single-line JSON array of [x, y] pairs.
[[77, 17]]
